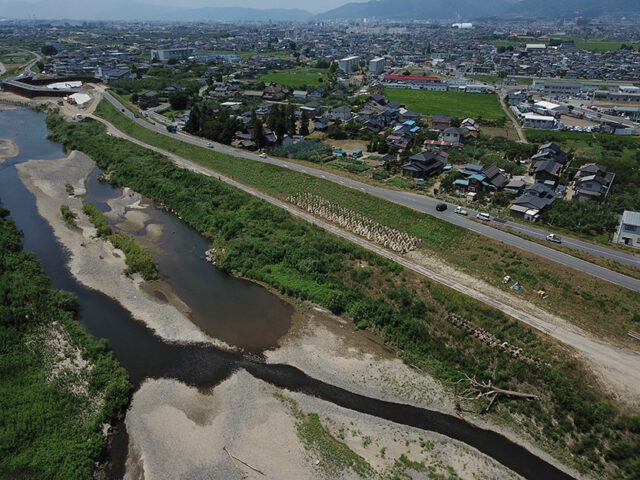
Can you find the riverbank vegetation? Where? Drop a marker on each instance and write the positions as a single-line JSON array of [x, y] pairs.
[[572, 295], [572, 417], [68, 216], [138, 260], [59, 385]]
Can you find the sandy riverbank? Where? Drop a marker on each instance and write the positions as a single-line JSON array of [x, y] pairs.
[[175, 431], [93, 261], [8, 149]]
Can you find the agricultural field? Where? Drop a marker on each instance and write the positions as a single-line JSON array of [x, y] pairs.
[[591, 44], [297, 77], [456, 104]]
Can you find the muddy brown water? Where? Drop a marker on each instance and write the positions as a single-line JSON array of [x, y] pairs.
[[144, 355]]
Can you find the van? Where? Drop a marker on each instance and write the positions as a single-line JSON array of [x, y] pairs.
[[483, 216]]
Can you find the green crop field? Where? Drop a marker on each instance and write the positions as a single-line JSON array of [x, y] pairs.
[[296, 78], [457, 104]]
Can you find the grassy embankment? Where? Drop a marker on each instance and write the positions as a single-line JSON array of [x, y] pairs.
[[138, 260], [456, 104], [574, 295], [573, 418], [53, 407]]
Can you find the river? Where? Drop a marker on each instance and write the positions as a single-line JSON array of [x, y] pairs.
[[222, 305]]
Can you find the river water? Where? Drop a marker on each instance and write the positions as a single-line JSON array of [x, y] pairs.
[[144, 355]]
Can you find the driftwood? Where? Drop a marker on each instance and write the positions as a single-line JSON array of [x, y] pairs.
[[486, 390], [233, 460]]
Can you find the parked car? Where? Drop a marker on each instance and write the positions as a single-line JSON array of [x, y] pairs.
[[461, 211], [483, 216], [135, 115], [209, 144], [263, 155], [441, 207], [552, 237]]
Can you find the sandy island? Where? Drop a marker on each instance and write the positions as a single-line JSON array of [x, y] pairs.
[[93, 261], [8, 149]]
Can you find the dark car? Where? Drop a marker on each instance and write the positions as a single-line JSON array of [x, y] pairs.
[[441, 207]]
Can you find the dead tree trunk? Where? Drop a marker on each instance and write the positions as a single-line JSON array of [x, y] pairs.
[[479, 390]]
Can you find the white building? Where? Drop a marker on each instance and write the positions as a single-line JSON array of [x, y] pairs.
[[629, 229], [164, 54], [550, 108], [544, 122], [376, 66], [349, 64]]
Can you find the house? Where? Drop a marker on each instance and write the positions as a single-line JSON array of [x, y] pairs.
[[592, 182], [422, 165], [453, 135], [628, 232], [409, 115], [552, 150], [494, 177], [399, 141], [273, 92], [316, 93], [312, 109], [440, 122], [168, 90], [547, 171], [300, 94], [342, 113], [148, 99], [321, 124], [533, 201]]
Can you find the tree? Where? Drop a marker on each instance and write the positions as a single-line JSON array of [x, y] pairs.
[[134, 97], [179, 100], [304, 124], [291, 120], [259, 137], [49, 50], [172, 61]]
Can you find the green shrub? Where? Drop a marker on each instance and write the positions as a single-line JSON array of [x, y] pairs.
[[137, 259], [68, 216], [98, 219]]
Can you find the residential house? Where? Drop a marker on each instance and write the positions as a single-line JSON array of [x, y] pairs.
[[273, 92], [440, 122], [533, 201], [422, 165], [494, 177], [547, 171], [453, 135], [312, 109], [592, 182], [628, 232], [300, 94], [342, 113]]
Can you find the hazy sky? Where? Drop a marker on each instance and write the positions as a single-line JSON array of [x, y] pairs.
[[309, 5]]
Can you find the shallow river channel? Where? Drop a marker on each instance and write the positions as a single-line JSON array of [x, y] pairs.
[[236, 311]]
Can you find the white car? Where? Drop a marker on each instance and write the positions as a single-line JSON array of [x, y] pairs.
[[210, 145], [483, 216], [552, 237], [263, 155], [461, 211]]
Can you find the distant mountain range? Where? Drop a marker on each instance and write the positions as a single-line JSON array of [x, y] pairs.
[[419, 9], [374, 9], [573, 8], [123, 10]]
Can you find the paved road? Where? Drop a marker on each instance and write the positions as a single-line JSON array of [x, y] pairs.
[[498, 230], [619, 367]]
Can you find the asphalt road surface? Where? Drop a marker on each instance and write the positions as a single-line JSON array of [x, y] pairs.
[[496, 228]]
